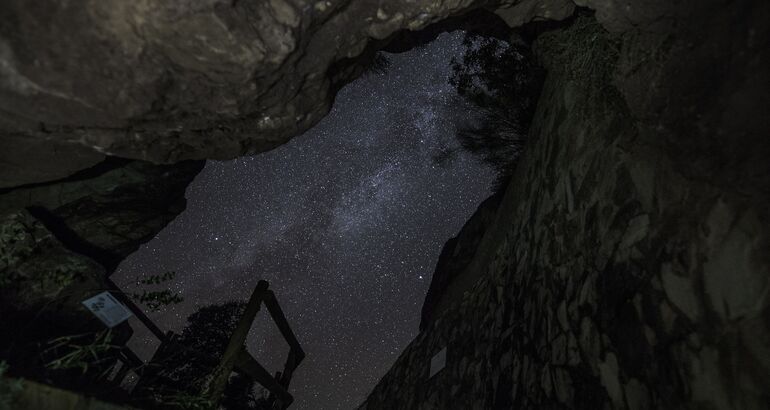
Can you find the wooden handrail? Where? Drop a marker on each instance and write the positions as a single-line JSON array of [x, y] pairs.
[[139, 313], [236, 357], [217, 380]]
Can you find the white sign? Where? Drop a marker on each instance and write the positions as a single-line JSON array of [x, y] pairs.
[[107, 309], [437, 362]]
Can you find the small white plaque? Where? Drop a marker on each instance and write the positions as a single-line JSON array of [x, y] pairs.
[[107, 309], [437, 362]]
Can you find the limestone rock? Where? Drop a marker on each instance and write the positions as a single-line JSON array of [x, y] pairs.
[[448, 279], [60, 241], [646, 167], [169, 81]]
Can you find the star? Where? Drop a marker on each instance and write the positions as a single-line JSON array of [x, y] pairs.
[[346, 222]]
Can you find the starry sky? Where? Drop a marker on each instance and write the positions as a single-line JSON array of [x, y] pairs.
[[346, 222]]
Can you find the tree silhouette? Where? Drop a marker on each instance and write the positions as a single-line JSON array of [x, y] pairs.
[[181, 374], [154, 300], [502, 83]]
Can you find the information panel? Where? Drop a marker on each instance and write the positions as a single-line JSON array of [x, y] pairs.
[[437, 362], [107, 309]]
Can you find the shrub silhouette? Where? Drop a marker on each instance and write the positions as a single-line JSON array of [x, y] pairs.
[[501, 83]]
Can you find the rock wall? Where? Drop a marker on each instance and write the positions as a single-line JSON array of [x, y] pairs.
[[628, 263], [451, 277], [168, 81], [59, 241], [628, 266]]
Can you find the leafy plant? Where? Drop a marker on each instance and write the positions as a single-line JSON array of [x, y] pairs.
[[157, 299], [16, 244], [179, 376], [63, 275], [84, 351], [501, 83], [499, 76], [156, 279], [585, 51]]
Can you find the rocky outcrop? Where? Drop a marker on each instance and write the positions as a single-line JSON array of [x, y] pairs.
[[627, 265], [106, 211], [451, 278], [60, 240], [166, 82]]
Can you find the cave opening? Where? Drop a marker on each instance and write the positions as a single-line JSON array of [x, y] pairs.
[[622, 265], [347, 221]]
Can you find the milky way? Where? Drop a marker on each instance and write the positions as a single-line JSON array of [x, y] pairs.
[[346, 222]]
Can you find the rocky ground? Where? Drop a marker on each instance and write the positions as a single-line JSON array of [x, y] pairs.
[[626, 267]]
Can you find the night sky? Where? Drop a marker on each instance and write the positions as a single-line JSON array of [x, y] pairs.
[[346, 222]]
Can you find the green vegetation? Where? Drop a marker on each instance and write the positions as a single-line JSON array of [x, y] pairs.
[[583, 57], [19, 244], [583, 51], [154, 300], [16, 244], [179, 376], [85, 351], [62, 275], [501, 83]]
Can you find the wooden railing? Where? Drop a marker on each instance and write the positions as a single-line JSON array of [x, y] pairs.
[[235, 358]]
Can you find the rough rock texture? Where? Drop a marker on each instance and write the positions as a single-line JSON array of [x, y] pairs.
[[628, 265], [112, 207], [27, 160], [59, 241], [451, 277], [168, 81]]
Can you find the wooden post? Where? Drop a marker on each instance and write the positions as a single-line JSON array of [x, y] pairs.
[[138, 312], [217, 381], [255, 370], [296, 354]]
